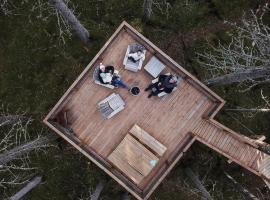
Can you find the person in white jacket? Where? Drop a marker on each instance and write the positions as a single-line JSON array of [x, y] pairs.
[[108, 75], [134, 57]]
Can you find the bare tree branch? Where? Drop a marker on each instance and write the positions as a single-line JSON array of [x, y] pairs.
[[18, 151], [246, 59], [15, 146], [31, 185], [245, 193], [260, 109], [198, 183]]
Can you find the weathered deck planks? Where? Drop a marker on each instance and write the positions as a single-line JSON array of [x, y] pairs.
[[161, 117]]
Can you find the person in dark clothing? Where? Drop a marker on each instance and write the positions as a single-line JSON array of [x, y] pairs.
[[165, 83]]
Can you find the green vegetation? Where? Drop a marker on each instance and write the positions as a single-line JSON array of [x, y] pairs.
[[36, 68]]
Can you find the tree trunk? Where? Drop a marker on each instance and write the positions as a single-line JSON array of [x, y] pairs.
[[147, 9], [12, 119], [267, 183], [249, 109], [198, 183], [32, 184], [25, 148], [125, 196], [238, 77], [244, 192], [71, 19], [98, 190]]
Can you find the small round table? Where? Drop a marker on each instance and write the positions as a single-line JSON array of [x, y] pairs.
[[135, 91]]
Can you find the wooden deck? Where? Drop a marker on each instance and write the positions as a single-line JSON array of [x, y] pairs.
[[175, 121], [167, 120]]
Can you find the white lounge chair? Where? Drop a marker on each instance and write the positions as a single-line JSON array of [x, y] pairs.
[[130, 65], [111, 105]]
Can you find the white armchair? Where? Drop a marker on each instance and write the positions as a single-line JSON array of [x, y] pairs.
[[130, 65], [111, 105]]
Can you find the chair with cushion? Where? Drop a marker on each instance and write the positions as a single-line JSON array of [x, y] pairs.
[[130, 65], [97, 81], [111, 105]]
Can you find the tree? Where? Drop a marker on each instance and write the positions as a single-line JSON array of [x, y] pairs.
[[147, 9], [195, 180], [260, 109], [12, 135], [98, 190], [95, 195], [5, 7], [243, 191], [18, 151], [15, 146], [27, 188], [68, 15], [246, 59]]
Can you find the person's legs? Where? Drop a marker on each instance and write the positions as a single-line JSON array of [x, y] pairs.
[[119, 82], [154, 93], [151, 86]]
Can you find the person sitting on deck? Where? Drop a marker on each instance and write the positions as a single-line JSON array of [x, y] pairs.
[[165, 83], [108, 75], [134, 57]]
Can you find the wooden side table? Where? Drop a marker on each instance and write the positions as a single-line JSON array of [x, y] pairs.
[[154, 67]]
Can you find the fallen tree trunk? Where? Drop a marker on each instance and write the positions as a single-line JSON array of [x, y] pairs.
[[198, 183], [12, 119], [237, 77], [249, 109], [26, 148], [147, 9], [29, 186], [243, 191], [267, 183], [68, 15], [98, 190]]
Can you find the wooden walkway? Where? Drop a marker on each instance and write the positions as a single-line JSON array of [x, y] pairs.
[[235, 147]]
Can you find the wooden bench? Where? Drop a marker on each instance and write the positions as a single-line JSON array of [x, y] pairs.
[[148, 140], [132, 158]]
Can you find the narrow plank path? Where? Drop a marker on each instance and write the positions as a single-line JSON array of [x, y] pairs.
[[233, 146]]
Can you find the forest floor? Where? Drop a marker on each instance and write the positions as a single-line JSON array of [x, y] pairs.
[[36, 68]]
